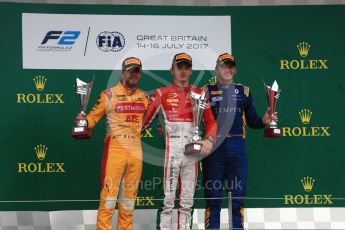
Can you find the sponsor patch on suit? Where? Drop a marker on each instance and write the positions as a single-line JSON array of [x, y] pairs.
[[217, 98], [216, 92]]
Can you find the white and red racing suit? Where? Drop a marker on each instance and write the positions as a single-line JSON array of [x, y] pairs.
[[176, 105]]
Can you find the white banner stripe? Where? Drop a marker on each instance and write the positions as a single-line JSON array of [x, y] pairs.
[[101, 42]]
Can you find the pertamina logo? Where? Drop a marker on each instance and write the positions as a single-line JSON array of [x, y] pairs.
[[41, 167], [306, 131], [40, 98], [308, 199], [129, 107], [303, 63]]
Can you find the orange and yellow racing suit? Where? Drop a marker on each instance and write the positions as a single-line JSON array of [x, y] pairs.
[[122, 160]]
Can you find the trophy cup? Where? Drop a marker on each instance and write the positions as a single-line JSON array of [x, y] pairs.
[[199, 104], [273, 94], [83, 90]]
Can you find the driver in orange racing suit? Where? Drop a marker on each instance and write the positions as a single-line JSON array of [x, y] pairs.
[[123, 106]]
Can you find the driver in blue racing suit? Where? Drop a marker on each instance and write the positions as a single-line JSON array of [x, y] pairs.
[[232, 106]]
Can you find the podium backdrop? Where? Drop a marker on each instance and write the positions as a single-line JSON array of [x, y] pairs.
[[302, 47]]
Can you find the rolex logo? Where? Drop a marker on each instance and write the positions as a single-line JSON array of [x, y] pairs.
[[308, 183], [304, 64], [212, 80], [308, 199], [30, 97], [41, 166], [305, 115], [303, 49], [305, 130], [41, 151], [40, 82]]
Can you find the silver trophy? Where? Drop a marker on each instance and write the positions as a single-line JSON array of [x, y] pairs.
[[83, 91], [273, 94], [199, 102]]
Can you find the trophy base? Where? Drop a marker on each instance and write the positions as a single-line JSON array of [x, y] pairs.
[[192, 149], [272, 132], [81, 132]]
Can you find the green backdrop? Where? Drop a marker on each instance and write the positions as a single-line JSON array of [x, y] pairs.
[[262, 38]]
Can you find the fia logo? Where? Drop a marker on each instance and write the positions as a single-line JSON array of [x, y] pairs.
[[110, 41]]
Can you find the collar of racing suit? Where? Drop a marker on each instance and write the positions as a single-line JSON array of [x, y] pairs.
[[225, 86], [128, 92], [187, 88]]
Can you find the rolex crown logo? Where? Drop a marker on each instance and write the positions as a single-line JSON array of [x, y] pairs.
[[303, 49], [40, 82], [308, 183], [305, 115], [212, 80], [41, 151]]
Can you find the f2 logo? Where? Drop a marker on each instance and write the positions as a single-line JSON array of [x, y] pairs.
[[68, 38]]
